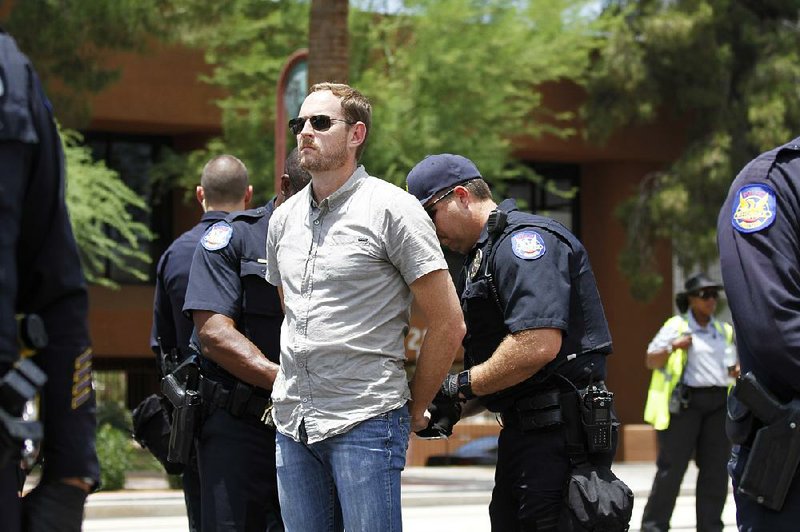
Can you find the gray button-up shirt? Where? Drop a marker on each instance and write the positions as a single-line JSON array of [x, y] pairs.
[[345, 266]]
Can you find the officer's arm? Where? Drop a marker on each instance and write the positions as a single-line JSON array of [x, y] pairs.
[[519, 356], [229, 348], [436, 298]]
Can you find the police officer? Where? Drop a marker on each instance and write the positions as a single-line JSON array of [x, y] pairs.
[[238, 316], [40, 273], [535, 332], [223, 188], [757, 232]]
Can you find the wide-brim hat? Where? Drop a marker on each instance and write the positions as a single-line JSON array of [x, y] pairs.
[[699, 281]]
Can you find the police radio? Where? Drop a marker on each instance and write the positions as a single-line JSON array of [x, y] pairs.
[[598, 419]]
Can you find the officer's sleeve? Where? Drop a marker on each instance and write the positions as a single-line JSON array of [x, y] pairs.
[[163, 319], [761, 272], [410, 241], [664, 337], [214, 281], [532, 276]]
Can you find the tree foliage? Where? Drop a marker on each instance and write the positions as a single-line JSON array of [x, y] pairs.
[[101, 205], [729, 71], [69, 42]]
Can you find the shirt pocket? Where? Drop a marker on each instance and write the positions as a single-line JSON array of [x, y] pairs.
[[346, 257]]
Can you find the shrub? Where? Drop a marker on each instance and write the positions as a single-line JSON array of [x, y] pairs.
[[114, 448]]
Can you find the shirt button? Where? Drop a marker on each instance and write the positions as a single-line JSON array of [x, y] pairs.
[[300, 365], [316, 222], [305, 400]]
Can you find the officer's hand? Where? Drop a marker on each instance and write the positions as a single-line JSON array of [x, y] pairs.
[[53, 507], [445, 412], [682, 342]]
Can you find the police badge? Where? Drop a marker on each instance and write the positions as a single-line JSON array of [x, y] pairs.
[[475, 264]]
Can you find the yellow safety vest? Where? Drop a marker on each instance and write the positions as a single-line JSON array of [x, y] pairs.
[[664, 380]]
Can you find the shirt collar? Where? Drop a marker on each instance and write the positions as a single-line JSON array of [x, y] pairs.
[[212, 216], [343, 192]]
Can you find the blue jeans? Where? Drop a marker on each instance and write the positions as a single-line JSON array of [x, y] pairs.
[[350, 481]]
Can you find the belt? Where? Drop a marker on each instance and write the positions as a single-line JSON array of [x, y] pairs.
[[534, 412], [240, 402]]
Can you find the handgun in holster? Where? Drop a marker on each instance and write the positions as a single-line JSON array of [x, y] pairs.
[[775, 451], [180, 388]]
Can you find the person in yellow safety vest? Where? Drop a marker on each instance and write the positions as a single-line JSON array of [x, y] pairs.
[[693, 358]]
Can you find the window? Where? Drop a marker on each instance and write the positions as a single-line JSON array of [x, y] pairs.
[[557, 197], [133, 156]]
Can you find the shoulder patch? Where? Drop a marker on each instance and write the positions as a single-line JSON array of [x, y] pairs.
[[528, 245], [754, 208], [217, 236]]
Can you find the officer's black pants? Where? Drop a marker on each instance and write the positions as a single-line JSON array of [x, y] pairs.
[[10, 507], [698, 429], [191, 493], [238, 480], [532, 471], [753, 517]]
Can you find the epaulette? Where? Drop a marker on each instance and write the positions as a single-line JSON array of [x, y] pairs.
[[15, 81], [256, 213]]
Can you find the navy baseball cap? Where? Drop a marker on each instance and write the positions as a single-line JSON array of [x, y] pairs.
[[438, 172]]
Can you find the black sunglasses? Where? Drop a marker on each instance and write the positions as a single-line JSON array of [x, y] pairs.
[[318, 122], [707, 293], [429, 208]]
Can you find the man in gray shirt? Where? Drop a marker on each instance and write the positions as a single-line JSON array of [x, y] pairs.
[[348, 254]]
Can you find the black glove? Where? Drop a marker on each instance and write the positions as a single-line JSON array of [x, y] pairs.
[[53, 507], [445, 412]]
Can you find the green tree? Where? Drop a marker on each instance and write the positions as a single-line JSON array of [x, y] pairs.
[[100, 204], [727, 70], [463, 76], [68, 42]]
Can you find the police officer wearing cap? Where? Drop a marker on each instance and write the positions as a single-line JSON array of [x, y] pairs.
[[223, 188], [757, 233], [237, 316], [40, 273], [536, 332], [693, 358]]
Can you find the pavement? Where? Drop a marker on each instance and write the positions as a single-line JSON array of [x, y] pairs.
[[147, 494]]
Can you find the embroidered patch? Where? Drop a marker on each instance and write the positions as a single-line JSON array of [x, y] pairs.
[[528, 245], [217, 236], [754, 208]]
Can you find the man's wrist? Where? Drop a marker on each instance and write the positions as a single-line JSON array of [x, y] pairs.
[[464, 380]]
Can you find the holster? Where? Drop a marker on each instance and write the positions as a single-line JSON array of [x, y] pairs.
[[185, 425], [181, 389], [775, 451], [242, 401]]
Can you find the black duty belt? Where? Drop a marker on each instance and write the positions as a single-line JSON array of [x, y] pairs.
[[241, 401], [533, 412]]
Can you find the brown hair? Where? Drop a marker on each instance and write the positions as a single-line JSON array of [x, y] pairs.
[[355, 105]]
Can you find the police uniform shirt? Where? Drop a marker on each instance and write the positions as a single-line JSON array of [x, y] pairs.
[[228, 277], [172, 279], [709, 355], [543, 280], [40, 270], [758, 232]]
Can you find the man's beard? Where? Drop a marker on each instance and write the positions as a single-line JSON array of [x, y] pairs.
[[318, 162]]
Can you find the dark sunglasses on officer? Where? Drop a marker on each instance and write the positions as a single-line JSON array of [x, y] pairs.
[[706, 293]]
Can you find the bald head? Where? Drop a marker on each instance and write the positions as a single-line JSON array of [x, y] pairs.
[[225, 183]]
